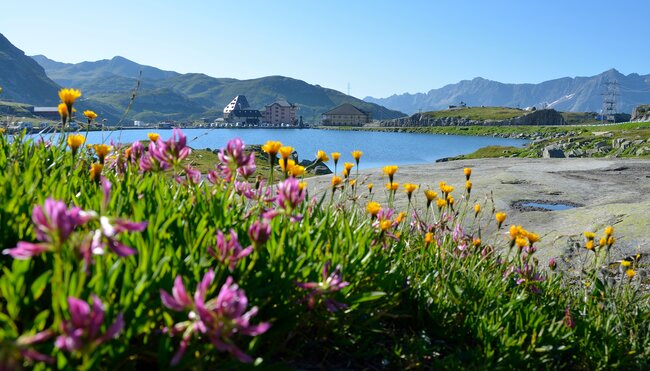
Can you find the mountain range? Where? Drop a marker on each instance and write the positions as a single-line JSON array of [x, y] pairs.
[[578, 94], [108, 85]]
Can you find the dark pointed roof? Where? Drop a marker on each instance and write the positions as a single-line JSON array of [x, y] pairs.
[[345, 109], [238, 103]]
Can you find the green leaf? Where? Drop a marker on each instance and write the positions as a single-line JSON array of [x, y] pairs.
[[39, 284]]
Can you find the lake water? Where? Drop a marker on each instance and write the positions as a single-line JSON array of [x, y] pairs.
[[379, 148]]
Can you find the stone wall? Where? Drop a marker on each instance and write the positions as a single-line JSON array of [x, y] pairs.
[[534, 118]]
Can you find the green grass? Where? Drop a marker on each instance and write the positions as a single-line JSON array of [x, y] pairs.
[[478, 113], [450, 303], [493, 152]]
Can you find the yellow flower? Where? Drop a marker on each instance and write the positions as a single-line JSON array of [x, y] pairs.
[[385, 224], [515, 231], [626, 263], [430, 195], [102, 150], [410, 188], [590, 235], [609, 231], [370, 187], [610, 241], [357, 155], [68, 96], [352, 182], [75, 141], [153, 137], [271, 147], [345, 173], [589, 245], [2, 131], [477, 209], [450, 200], [468, 186], [602, 242], [630, 273], [336, 156], [441, 202], [63, 111], [336, 181], [390, 170], [348, 166], [90, 115], [532, 237], [476, 242], [392, 186], [521, 242], [286, 151], [500, 217], [287, 165], [468, 172], [302, 185], [322, 156], [428, 238], [95, 171], [448, 189], [296, 170], [373, 208], [400, 217]]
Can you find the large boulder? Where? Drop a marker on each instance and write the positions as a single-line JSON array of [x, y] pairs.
[[553, 152]]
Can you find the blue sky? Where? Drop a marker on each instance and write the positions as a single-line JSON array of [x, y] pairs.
[[378, 47]]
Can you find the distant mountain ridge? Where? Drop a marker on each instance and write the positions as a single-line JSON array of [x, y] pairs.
[[171, 95], [578, 94], [22, 79]]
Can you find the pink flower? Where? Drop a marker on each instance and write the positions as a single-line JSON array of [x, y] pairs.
[[13, 353], [218, 319], [106, 236], [229, 251], [259, 232], [331, 283], [82, 332], [172, 151], [289, 194], [53, 223]]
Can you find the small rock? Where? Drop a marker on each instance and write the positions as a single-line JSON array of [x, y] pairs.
[[553, 152]]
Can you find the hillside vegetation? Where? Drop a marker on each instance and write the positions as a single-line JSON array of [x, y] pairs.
[[478, 113]]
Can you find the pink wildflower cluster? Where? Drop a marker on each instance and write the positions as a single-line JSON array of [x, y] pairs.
[[219, 319], [323, 290]]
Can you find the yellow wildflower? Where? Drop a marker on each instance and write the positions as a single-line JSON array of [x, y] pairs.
[[626, 263], [302, 185], [285, 151], [335, 157], [69, 96], [610, 241], [468, 186], [430, 195], [532, 237], [630, 273], [90, 115], [390, 170], [441, 202], [75, 141], [357, 155], [153, 137], [428, 238], [271, 147], [392, 186], [370, 185], [521, 242], [450, 200], [287, 165], [373, 208], [96, 171], [345, 173], [352, 182], [609, 231], [385, 224], [296, 170], [500, 217], [589, 245], [102, 150], [348, 166], [477, 209], [322, 156], [468, 172], [63, 112], [590, 235], [602, 242], [336, 181], [476, 242]]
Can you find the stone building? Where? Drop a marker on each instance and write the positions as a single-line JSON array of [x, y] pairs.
[[345, 115], [239, 111], [280, 112]]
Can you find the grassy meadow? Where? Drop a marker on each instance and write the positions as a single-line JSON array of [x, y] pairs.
[[131, 257]]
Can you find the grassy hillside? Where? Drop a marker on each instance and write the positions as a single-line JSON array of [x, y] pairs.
[[479, 113]]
